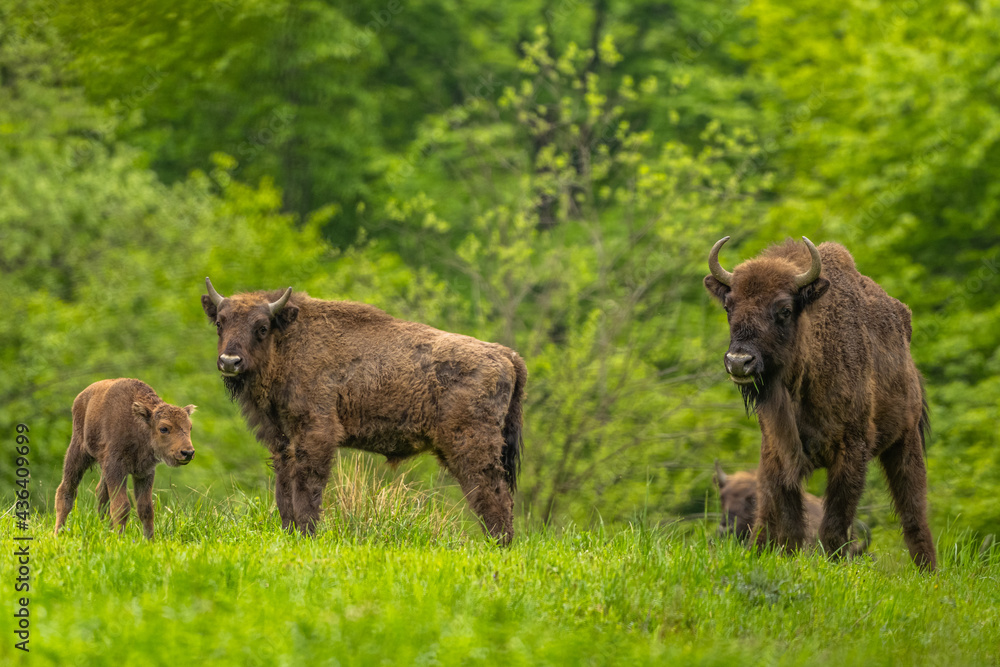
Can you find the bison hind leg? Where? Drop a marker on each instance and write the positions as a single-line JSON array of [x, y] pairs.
[[76, 463], [474, 458], [906, 473]]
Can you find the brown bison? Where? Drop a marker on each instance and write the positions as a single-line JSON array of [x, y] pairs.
[[738, 497], [313, 375], [125, 428], [822, 355]]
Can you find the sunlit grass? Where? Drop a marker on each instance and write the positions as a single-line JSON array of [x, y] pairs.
[[398, 575]]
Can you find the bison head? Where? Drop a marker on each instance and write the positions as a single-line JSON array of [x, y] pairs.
[[170, 431], [245, 323], [738, 493], [764, 299]]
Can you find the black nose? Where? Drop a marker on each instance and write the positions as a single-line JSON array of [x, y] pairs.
[[229, 363], [188, 454], [738, 363]]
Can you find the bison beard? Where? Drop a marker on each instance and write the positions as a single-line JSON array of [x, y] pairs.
[[234, 387], [313, 375], [821, 355], [753, 395]]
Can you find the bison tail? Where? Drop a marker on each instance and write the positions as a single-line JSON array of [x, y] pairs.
[[925, 420], [513, 441]]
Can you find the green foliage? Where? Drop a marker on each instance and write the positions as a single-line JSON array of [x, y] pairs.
[[579, 239]]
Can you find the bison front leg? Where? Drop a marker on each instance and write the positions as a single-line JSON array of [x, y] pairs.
[[474, 460], [143, 487], [844, 486], [284, 480], [780, 510], [313, 458]]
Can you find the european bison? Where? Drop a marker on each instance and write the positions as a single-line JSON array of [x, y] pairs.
[[125, 428], [313, 375], [738, 496], [822, 354]]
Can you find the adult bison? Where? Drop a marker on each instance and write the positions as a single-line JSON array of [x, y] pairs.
[[822, 354], [313, 375]]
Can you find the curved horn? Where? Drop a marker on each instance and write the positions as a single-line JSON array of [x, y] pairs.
[[216, 298], [720, 274], [812, 274], [720, 476], [276, 307]]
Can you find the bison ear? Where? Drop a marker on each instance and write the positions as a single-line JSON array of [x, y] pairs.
[[716, 289], [287, 315], [814, 291], [190, 409], [142, 412], [209, 307]]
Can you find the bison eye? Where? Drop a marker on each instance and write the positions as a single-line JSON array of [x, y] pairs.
[[262, 331], [784, 313], [164, 429]]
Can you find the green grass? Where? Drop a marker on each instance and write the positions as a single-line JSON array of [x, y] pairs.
[[400, 576]]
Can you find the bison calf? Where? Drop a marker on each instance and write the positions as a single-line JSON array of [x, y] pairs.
[[125, 428], [738, 496], [313, 375]]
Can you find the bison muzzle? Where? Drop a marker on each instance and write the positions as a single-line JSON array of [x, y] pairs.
[[312, 375]]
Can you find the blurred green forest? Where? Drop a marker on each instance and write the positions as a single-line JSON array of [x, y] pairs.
[[545, 174]]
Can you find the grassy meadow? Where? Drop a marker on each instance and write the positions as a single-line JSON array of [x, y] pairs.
[[400, 574]]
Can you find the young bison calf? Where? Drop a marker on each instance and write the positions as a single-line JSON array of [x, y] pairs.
[[738, 493], [125, 427]]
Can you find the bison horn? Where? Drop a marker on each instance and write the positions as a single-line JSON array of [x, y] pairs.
[[812, 274], [216, 298], [276, 307], [720, 274], [720, 476]]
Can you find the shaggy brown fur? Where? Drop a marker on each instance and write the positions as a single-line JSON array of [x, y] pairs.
[[125, 428], [738, 496], [827, 369], [317, 375]]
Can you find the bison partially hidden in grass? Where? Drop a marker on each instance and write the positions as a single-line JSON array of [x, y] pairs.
[[125, 428], [738, 496], [313, 375], [822, 354]]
